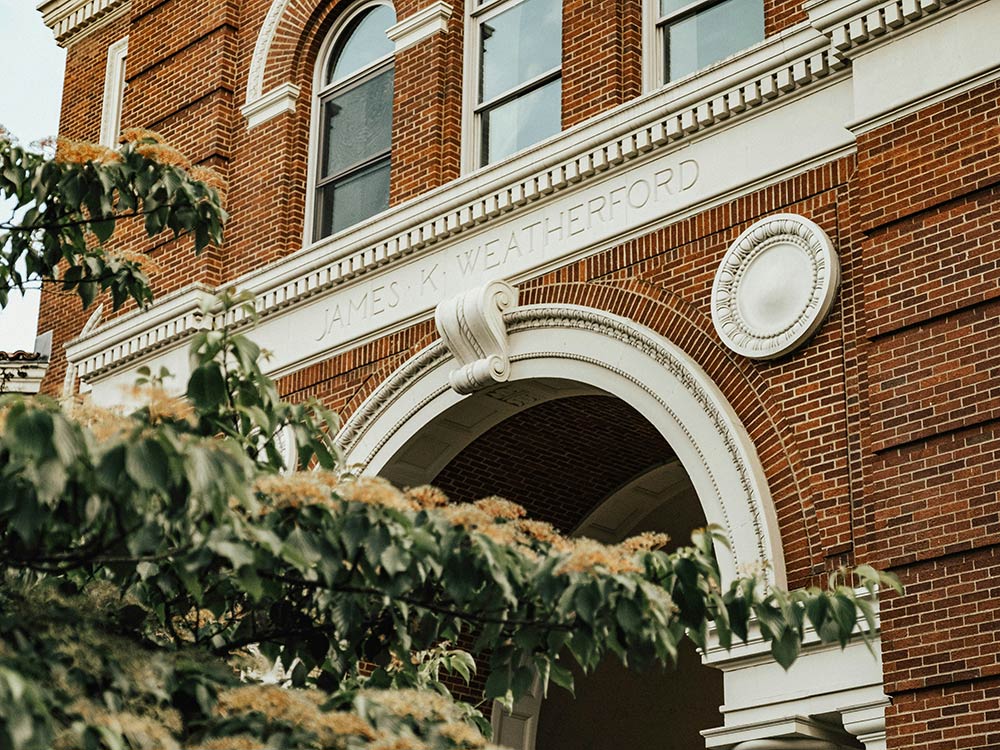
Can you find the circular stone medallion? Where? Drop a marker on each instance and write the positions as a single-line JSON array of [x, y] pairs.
[[775, 286]]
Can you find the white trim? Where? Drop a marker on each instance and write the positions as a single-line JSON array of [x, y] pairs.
[[619, 357], [421, 25], [652, 48], [114, 92], [71, 19], [785, 733], [261, 50], [748, 93], [860, 127], [275, 102], [174, 316], [892, 78], [439, 237]]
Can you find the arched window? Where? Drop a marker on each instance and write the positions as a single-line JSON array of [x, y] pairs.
[[353, 105]]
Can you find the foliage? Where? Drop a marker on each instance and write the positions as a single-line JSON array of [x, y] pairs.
[[195, 548], [66, 210], [155, 564]]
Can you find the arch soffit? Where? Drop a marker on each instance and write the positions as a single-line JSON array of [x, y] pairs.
[[625, 359]]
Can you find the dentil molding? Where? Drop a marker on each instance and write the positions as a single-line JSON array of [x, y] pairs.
[[71, 19], [774, 287]]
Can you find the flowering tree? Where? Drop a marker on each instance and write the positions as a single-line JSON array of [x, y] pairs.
[[67, 206], [155, 564]]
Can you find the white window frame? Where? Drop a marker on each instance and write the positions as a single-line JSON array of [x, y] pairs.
[[471, 124], [653, 46], [114, 93], [321, 91]]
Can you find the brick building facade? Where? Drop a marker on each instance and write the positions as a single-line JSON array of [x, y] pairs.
[[635, 264]]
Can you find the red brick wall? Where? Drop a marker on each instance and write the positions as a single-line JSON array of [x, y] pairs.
[[927, 190], [879, 438], [427, 109], [558, 459], [602, 56], [965, 716]]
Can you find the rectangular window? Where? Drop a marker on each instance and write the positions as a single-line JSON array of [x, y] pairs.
[[518, 75], [114, 92], [697, 34]]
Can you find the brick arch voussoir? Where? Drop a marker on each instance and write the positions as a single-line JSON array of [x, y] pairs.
[[297, 40], [382, 374], [758, 409]]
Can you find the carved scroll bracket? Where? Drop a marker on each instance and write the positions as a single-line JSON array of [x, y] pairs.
[[472, 328]]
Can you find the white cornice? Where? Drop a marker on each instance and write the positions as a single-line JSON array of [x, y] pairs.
[[851, 24], [70, 19], [421, 25], [174, 316]]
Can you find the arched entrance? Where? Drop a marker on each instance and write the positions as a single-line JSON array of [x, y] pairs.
[[560, 351], [602, 427], [591, 465]]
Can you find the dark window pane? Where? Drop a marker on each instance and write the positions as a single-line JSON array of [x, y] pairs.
[[361, 43], [518, 45], [520, 122], [357, 125], [713, 34], [354, 198]]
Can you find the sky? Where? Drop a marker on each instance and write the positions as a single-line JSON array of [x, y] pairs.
[[29, 108]]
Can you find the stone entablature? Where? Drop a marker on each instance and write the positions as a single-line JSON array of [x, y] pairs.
[[70, 19]]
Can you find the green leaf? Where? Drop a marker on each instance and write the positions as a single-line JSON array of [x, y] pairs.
[[146, 464], [587, 600], [32, 431], [785, 648], [628, 615], [207, 387], [497, 684], [561, 677]]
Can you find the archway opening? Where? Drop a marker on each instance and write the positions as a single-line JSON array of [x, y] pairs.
[[590, 464]]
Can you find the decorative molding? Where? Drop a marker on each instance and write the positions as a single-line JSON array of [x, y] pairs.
[[851, 25], [867, 723], [788, 733], [275, 102], [177, 316], [261, 50], [655, 125], [114, 90], [421, 25], [473, 329], [774, 287], [70, 19], [21, 371]]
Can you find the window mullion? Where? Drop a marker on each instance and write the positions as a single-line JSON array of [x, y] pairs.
[[356, 167], [530, 85]]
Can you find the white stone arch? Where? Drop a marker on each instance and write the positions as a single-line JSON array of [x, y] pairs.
[[617, 356], [262, 49]]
